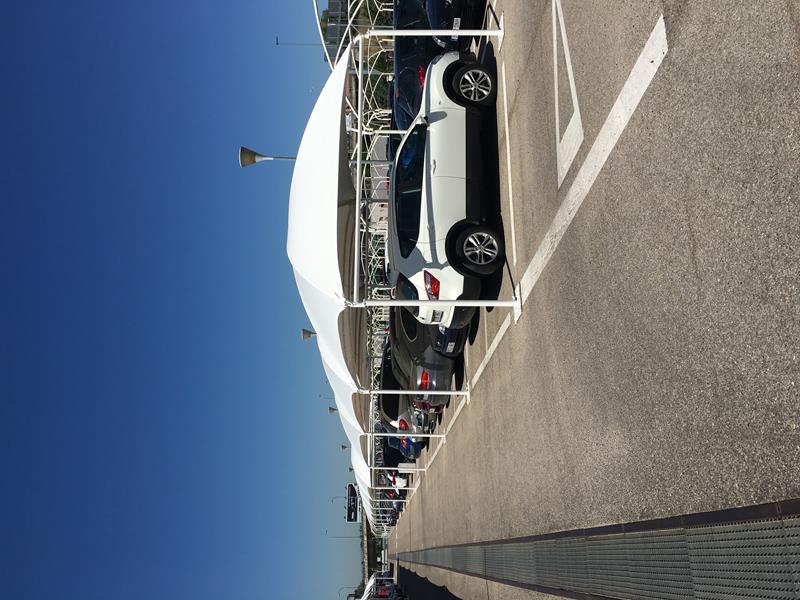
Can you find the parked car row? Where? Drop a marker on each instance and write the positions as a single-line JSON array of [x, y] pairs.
[[440, 243], [391, 591]]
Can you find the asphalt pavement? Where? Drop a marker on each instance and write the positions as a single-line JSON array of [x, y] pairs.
[[654, 369]]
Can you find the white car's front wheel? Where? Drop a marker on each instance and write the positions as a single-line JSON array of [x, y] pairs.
[[480, 250], [475, 85]]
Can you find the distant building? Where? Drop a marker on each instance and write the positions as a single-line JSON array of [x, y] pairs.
[[334, 25]]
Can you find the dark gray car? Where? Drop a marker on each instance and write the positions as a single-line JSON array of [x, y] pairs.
[[415, 362]]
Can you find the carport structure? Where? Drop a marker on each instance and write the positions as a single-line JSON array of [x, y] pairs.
[[336, 244]]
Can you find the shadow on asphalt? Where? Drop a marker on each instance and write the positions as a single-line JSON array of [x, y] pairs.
[[489, 144], [417, 588]]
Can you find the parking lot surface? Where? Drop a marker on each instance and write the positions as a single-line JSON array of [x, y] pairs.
[[654, 368]]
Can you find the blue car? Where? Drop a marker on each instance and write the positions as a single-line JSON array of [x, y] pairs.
[[412, 55], [455, 15], [408, 448]]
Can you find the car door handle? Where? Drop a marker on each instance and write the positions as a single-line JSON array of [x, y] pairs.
[[433, 168]]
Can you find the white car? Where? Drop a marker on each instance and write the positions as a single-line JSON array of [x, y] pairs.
[[440, 244]]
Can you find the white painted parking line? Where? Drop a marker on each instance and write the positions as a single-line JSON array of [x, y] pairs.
[[484, 323], [638, 81], [566, 147], [508, 164], [490, 351]]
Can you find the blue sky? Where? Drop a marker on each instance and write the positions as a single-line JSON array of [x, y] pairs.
[[161, 431]]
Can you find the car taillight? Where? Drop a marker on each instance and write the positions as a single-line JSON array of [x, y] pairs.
[[403, 425], [424, 380], [421, 74], [431, 286]]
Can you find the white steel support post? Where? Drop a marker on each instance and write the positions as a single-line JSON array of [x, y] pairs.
[[443, 303], [374, 163], [393, 33], [386, 132], [415, 392], [401, 470], [409, 434]]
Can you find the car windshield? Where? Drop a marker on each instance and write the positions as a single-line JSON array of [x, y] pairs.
[[406, 290], [408, 175], [410, 324], [390, 404], [408, 98]]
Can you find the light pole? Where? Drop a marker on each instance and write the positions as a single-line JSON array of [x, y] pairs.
[[249, 157], [341, 536], [344, 587], [335, 497], [306, 44]]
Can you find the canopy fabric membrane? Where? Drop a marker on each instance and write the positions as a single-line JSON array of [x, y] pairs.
[[321, 213], [321, 245], [368, 589]]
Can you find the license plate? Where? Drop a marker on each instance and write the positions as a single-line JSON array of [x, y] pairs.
[[450, 347], [456, 27]]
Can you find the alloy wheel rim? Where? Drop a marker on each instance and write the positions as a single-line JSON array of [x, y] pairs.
[[475, 85], [481, 248]]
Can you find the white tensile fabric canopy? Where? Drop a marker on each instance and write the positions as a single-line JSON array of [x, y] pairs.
[[320, 248], [368, 588], [322, 189]]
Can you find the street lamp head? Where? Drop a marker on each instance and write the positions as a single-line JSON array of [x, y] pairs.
[[344, 447], [249, 157], [332, 409], [307, 333]]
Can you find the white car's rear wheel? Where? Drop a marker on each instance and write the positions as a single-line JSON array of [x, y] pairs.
[[475, 85], [480, 250]]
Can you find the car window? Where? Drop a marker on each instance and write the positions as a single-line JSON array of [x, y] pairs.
[[408, 175], [410, 14], [406, 290], [410, 324], [390, 404], [408, 97], [404, 112]]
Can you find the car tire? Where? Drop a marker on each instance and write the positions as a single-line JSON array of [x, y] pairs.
[[475, 85], [480, 250]]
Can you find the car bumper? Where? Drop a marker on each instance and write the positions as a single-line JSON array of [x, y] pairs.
[[450, 341]]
